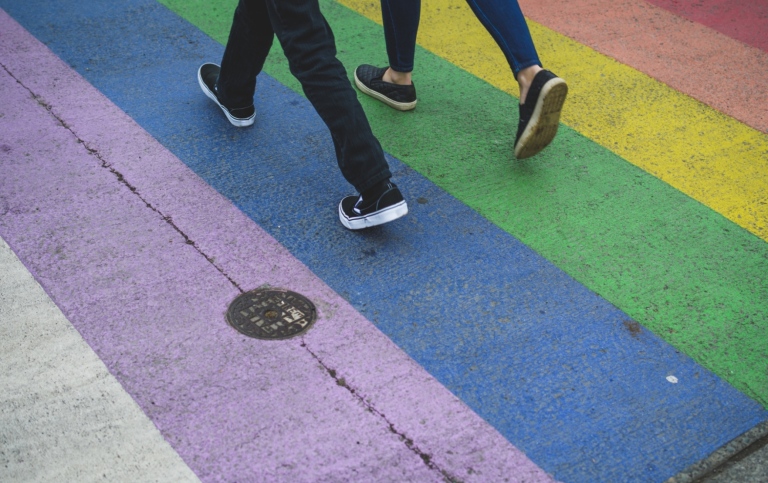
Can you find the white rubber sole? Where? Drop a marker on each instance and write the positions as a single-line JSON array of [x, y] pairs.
[[237, 122], [545, 120], [400, 106], [386, 215]]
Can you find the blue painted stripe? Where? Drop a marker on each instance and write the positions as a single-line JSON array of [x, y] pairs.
[[550, 364]]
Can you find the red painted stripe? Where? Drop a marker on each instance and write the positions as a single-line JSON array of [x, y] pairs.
[[743, 20], [703, 63]]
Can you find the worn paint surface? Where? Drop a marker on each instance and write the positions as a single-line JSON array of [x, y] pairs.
[[744, 20], [642, 245], [712, 158], [144, 258], [684, 55], [498, 325]]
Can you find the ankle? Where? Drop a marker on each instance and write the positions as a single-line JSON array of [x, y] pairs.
[[525, 79], [395, 77]]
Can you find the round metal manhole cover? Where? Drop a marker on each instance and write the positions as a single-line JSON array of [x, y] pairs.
[[271, 314]]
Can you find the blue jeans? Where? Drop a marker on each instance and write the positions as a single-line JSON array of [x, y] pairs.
[[502, 18], [310, 48]]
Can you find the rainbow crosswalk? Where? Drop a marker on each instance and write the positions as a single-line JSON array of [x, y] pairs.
[[596, 313]]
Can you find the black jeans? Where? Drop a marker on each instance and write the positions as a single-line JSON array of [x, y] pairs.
[[309, 45]]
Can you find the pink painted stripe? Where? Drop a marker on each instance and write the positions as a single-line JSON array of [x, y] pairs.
[[152, 305], [696, 60], [743, 20]]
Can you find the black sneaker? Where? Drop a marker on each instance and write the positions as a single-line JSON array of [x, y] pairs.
[[368, 79], [356, 213], [540, 115], [207, 75]]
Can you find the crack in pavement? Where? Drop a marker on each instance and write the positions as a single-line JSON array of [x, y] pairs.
[[425, 457], [121, 179], [409, 443]]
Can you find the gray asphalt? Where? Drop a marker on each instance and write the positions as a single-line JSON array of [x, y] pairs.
[[749, 467]]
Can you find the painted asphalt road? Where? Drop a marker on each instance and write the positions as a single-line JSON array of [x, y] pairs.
[[228, 410], [638, 242], [682, 54], [63, 416], [743, 20], [128, 199]]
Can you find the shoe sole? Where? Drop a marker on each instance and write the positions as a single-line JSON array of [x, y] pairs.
[[386, 215], [400, 106], [235, 121], [545, 120]]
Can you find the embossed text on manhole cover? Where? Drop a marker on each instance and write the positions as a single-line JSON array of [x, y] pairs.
[[271, 314]]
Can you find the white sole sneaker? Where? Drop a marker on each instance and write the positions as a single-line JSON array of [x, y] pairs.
[[400, 106], [545, 120], [235, 121], [386, 215]]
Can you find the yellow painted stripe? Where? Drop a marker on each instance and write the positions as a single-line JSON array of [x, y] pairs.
[[709, 156]]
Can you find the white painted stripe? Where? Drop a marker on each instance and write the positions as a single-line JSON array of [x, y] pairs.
[[63, 416]]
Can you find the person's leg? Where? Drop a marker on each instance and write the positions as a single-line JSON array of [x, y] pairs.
[[231, 86], [310, 48], [504, 20], [401, 24], [250, 39], [393, 85], [542, 93]]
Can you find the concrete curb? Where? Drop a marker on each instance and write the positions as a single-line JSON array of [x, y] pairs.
[[742, 445]]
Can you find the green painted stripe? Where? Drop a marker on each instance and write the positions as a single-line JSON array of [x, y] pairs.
[[677, 267]]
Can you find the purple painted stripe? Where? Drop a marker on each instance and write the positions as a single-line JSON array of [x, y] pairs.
[[151, 305]]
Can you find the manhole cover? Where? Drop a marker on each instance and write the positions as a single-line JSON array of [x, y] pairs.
[[271, 314]]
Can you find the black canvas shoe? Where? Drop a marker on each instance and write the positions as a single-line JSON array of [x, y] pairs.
[[368, 79], [540, 115], [207, 75], [356, 213]]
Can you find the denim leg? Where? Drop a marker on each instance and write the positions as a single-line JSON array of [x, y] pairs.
[[505, 22], [309, 45], [401, 23], [250, 39]]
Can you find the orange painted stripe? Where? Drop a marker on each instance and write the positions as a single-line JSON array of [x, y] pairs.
[[711, 67], [743, 20]]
